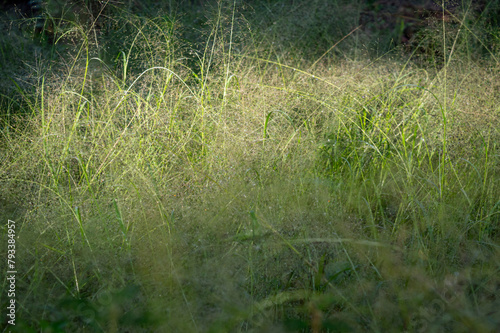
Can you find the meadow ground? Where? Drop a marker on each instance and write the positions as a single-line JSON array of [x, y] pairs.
[[258, 177]]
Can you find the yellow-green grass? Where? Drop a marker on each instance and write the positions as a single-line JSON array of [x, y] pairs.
[[254, 192]]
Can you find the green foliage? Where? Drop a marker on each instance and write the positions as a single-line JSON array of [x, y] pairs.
[[250, 172]]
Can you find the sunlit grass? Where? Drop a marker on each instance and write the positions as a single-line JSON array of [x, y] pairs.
[[254, 192]]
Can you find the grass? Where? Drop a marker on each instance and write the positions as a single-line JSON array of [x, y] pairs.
[[233, 184]]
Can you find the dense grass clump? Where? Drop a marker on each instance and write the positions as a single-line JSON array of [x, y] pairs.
[[177, 177]]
